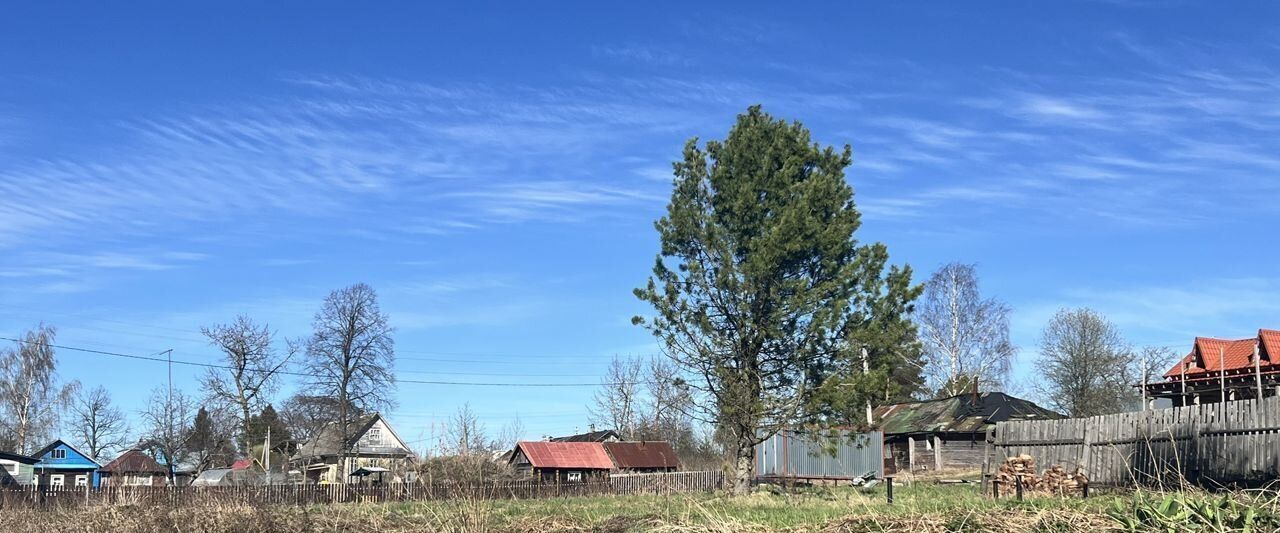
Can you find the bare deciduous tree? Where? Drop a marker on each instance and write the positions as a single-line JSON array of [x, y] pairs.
[[464, 434], [966, 337], [30, 396], [511, 433], [167, 421], [97, 424], [305, 414], [665, 414], [1087, 367], [350, 355], [251, 373], [617, 402]]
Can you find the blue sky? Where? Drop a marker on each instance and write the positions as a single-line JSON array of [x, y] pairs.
[[494, 170]]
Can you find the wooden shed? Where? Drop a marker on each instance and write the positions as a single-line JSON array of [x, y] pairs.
[[949, 433], [561, 461], [644, 456]]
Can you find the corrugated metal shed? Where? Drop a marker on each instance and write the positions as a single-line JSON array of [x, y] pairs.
[[832, 454], [642, 455]]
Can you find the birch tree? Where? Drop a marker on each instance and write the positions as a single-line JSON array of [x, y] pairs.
[[965, 336], [31, 398]]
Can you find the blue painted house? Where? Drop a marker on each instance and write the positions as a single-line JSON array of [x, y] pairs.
[[63, 466]]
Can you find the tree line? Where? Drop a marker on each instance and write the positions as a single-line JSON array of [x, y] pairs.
[[344, 369]]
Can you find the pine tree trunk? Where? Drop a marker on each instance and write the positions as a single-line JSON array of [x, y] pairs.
[[744, 463]]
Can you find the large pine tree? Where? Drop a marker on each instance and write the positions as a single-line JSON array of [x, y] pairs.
[[764, 296]]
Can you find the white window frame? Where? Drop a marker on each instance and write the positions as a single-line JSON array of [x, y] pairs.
[[58, 453], [57, 481], [82, 480], [374, 435], [573, 476], [12, 467]]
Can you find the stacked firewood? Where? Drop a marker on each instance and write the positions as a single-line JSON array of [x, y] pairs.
[[1058, 481], [1055, 480]]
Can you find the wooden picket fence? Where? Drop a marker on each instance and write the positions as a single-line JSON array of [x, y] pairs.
[[311, 494], [1215, 444]]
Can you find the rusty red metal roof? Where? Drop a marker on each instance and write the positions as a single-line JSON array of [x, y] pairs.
[[586, 455], [134, 462], [647, 454]]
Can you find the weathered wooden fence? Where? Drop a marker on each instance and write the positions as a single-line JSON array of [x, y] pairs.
[[1209, 444], [623, 484]]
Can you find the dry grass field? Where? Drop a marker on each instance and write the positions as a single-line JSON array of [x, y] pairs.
[[921, 508]]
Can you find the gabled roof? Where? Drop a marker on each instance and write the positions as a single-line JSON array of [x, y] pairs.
[[645, 454], [547, 454], [957, 414], [134, 462], [326, 441], [1211, 356], [18, 458], [603, 435], [45, 450]]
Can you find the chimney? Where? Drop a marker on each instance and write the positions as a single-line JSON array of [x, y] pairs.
[[592, 428]]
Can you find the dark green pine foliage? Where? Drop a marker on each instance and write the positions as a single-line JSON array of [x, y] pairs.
[[258, 425], [764, 296]]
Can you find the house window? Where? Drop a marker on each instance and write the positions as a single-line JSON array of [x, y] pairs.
[[573, 476], [82, 481], [11, 467], [58, 453], [374, 435], [56, 481]]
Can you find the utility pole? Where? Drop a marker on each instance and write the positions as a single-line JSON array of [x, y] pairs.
[[1222, 373], [168, 418]]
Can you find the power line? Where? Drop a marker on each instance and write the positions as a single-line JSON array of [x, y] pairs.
[[491, 357], [304, 374]]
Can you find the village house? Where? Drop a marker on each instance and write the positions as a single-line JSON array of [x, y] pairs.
[[949, 433], [645, 456], [134, 468], [373, 444], [16, 469], [62, 466], [1222, 370], [561, 461]]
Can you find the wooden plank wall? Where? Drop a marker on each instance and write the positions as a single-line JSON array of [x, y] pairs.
[[45, 497], [1213, 444]]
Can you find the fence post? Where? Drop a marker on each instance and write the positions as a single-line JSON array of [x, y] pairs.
[[1017, 482], [888, 489]]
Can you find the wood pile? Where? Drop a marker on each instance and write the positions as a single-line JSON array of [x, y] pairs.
[[1055, 480]]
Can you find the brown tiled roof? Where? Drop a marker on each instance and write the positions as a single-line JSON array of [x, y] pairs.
[[134, 462], [586, 455], [647, 454]]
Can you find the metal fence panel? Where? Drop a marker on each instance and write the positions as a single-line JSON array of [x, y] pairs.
[[828, 454]]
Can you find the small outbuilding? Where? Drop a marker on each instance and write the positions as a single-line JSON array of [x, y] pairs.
[[16, 469], [134, 468], [604, 435], [561, 461], [644, 456], [948, 433]]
